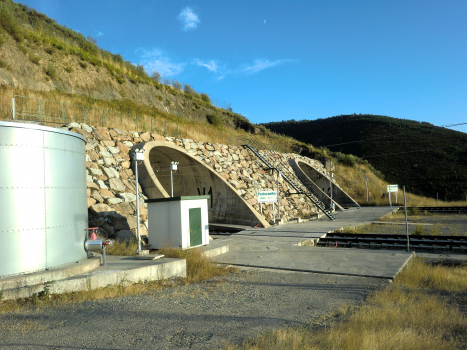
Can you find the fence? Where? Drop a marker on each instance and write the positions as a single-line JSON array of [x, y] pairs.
[[239, 141], [45, 111]]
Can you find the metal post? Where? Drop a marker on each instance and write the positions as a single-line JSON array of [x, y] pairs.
[[273, 212], [330, 183], [137, 205], [63, 113], [366, 182], [390, 204], [171, 183], [177, 131], [406, 222], [104, 262], [13, 109], [121, 119], [278, 197]]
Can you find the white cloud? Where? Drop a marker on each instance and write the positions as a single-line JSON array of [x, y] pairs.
[[189, 19], [100, 34], [157, 60], [261, 64], [211, 65]]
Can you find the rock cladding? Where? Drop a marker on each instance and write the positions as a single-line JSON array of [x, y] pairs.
[[111, 187]]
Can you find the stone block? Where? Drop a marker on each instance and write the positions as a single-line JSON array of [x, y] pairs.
[[128, 197], [116, 185], [113, 201], [124, 235], [106, 193], [91, 201], [96, 195], [124, 208], [145, 136], [111, 172], [101, 184], [101, 208]]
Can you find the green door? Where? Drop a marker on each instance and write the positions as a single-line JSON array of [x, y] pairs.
[[196, 237]]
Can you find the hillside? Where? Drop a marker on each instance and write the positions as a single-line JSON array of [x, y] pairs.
[[428, 160], [37, 54]]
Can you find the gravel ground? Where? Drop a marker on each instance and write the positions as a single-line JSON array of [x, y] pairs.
[[198, 316]]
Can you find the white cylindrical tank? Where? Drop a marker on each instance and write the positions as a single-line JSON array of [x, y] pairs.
[[43, 200]]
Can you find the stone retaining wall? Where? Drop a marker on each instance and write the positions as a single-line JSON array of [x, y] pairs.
[[111, 181]]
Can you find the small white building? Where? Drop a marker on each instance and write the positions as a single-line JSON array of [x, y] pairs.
[[178, 222]]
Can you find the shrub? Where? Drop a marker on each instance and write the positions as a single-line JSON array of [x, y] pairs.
[[51, 72], [3, 64], [120, 79], [49, 50], [214, 120], [9, 22], [205, 97], [83, 64], [35, 59], [176, 84], [69, 69]]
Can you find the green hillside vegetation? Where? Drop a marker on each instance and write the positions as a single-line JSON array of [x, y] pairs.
[[61, 53], [427, 159]]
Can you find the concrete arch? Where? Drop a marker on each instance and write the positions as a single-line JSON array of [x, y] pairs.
[[318, 183], [193, 178]]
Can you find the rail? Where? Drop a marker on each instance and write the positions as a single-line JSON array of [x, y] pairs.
[[272, 159]]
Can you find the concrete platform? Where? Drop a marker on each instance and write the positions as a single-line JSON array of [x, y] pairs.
[[89, 274], [279, 247]]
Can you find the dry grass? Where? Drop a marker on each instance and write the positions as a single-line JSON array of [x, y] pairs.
[[199, 267], [125, 248], [409, 314]]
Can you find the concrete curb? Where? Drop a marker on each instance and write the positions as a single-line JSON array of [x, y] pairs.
[[103, 277]]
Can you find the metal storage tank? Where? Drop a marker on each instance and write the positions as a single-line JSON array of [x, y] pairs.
[[43, 200]]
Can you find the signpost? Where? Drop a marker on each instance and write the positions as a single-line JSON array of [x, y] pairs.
[[268, 197], [392, 188]]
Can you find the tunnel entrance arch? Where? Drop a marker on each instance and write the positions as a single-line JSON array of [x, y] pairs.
[[193, 178]]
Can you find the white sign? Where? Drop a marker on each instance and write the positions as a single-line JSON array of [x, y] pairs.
[[393, 188], [267, 196]]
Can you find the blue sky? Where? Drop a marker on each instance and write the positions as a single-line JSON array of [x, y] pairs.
[[279, 60]]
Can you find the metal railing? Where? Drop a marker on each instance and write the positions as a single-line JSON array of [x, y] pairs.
[[273, 160], [46, 111]]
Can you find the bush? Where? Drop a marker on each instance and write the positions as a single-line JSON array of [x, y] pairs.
[[214, 120], [176, 84], [3, 64], [83, 64], [205, 97], [9, 22], [69, 69], [51, 72], [35, 59]]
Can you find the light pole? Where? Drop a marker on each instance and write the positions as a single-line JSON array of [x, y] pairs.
[[173, 167], [139, 155], [330, 186], [366, 182], [279, 175]]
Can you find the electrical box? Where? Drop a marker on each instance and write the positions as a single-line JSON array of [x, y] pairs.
[[178, 222]]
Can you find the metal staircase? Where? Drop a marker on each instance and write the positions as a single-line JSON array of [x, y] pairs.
[[272, 160]]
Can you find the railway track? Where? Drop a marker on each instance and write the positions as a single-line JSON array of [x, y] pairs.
[[419, 243], [459, 210]]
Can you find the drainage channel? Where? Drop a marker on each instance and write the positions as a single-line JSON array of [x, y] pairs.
[[419, 243]]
